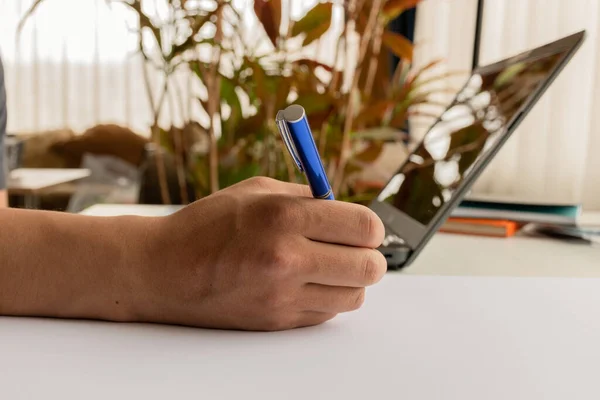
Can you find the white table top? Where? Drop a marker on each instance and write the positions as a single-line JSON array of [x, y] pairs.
[[35, 179], [424, 338], [417, 337], [147, 210]]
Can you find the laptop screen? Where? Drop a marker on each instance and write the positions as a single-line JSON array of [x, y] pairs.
[[476, 120]]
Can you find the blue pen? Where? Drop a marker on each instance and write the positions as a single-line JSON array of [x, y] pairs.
[[297, 136]]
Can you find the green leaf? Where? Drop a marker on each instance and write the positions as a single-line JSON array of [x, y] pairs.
[[315, 23], [268, 13], [398, 44], [313, 102], [166, 141], [393, 8]]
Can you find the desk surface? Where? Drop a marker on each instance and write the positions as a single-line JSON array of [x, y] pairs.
[[417, 337], [31, 180]]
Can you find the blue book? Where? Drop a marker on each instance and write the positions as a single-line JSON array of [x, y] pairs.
[[562, 214]]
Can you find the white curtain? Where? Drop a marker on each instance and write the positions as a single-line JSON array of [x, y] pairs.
[[553, 156], [74, 65]]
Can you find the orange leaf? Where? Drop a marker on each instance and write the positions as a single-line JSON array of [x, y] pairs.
[[393, 8], [398, 44], [268, 13], [370, 154], [374, 112]]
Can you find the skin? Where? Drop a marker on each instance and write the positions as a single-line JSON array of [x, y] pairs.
[[260, 255], [3, 199]]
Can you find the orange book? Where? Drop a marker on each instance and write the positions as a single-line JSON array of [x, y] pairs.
[[481, 227]]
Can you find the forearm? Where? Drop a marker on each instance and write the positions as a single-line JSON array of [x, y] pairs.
[[3, 199], [66, 265]]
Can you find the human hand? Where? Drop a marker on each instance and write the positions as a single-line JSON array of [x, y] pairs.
[[259, 255]]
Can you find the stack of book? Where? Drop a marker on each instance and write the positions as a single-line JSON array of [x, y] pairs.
[[505, 218]]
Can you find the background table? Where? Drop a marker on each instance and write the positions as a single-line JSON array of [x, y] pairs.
[[31, 182]]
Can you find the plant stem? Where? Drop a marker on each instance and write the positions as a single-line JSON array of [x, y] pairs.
[[350, 111], [179, 163], [214, 85], [374, 62], [155, 130]]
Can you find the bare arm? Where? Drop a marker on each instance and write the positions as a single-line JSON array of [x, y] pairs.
[[260, 255], [3, 199], [65, 265]]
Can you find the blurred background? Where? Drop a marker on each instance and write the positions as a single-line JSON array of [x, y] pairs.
[[163, 102]]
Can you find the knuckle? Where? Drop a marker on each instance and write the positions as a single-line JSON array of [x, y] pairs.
[[370, 227], [260, 182], [357, 299], [373, 267], [279, 258]]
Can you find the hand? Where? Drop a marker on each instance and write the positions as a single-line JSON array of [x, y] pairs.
[[260, 255]]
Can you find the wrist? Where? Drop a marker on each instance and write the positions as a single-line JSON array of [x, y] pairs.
[[136, 244]]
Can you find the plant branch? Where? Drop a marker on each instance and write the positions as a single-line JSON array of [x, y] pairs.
[[214, 85], [374, 62], [350, 111]]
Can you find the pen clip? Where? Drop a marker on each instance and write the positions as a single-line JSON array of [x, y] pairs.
[[287, 139]]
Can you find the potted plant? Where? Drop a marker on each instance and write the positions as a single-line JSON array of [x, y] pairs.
[[356, 106]]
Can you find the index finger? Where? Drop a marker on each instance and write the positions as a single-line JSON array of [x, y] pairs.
[[342, 223]]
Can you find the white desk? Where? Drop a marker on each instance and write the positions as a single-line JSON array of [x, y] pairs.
[[145, 210], [31, 182], [418, 338]]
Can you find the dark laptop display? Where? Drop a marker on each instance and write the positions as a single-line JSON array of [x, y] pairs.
[[455, 150]]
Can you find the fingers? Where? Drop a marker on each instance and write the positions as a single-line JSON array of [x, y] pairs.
[[342, 266], [342, 223], [328, 221], [331, 299]]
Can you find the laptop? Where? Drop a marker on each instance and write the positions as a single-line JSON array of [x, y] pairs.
[[437, 175]]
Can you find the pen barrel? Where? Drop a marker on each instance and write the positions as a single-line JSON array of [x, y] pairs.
[[308, 154]]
